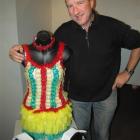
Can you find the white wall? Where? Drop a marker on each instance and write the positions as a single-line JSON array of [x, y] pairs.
[[129, 12], [17, 26], [59, 13], [10, 81], [32, 16]]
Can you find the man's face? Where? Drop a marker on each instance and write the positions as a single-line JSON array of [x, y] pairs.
[[80, 10]]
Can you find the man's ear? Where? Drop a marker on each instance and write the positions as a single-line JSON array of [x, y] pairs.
[[93, 4]]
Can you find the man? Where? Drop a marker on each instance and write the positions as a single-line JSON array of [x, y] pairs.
[[93, 72]]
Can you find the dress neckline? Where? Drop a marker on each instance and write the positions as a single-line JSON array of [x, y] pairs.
[[57, 58]]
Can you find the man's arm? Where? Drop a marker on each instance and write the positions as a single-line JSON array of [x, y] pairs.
[[124, 76], [15, 53]]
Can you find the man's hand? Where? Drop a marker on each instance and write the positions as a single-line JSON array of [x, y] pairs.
[[16, 53], [121, 79]]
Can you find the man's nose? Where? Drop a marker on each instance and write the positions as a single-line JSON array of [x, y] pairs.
[[75, 10]]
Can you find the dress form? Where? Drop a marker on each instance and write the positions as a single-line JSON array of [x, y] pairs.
[[42, 57], [46, 112]]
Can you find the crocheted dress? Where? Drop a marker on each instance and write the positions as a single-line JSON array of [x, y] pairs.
[[46, 112]]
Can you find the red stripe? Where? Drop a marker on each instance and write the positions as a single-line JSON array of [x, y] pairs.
[[47, 110], [26, 95], [28, 107], [43, 90], [61, 96], [26, 54], [52, 109]]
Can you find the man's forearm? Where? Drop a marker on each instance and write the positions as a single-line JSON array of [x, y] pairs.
[[133, 59]]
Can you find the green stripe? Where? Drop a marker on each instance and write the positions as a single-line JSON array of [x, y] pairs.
[[54, 86], [33, 86], [42, 136]]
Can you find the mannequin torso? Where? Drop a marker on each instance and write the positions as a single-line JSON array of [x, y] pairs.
[[47, 55], [43, 57]]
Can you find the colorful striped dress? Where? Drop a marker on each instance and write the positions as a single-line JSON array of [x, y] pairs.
[[46, 112]]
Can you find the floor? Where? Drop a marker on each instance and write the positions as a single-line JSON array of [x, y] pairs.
[[126, 123]]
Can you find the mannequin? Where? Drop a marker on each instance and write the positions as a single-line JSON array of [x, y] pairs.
[[41, 57], [46, 111]]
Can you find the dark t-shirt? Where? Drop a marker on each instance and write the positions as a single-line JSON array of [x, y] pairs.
[[96, 57]]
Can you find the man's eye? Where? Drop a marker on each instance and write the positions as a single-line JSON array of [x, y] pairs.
[[81, 2], [69, 6]]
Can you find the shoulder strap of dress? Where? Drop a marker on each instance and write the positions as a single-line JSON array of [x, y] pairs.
[[61, 50], [26, 53]]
